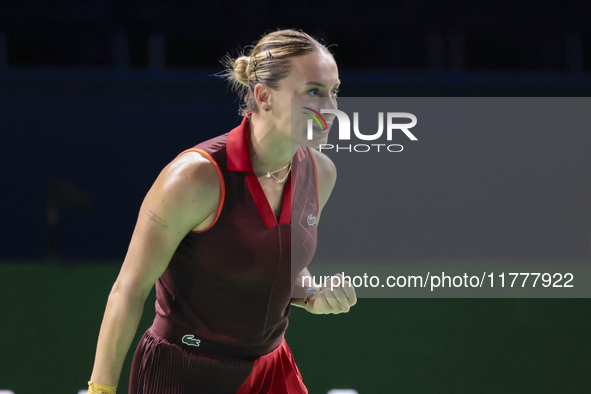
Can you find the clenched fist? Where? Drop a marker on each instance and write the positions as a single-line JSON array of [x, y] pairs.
[[337, 296]]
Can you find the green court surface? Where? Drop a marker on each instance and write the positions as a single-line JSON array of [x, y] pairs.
[[51, 315]]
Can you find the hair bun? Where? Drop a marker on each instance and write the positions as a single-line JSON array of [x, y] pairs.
[[273, 67], [240, 65]]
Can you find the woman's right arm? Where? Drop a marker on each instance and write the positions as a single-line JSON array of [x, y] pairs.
[[185, 194]]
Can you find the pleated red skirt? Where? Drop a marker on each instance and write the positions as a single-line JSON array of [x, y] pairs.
[[159, 367]]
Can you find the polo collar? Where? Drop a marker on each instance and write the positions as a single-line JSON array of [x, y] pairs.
[[237, 150]]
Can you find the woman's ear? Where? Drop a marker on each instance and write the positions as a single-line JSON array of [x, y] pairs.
[[262, 95]]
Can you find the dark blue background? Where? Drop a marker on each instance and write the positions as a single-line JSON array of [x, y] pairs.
[[69, 110]]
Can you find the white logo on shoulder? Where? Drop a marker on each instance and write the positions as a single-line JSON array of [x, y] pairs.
[[190, 340], [311, 220]]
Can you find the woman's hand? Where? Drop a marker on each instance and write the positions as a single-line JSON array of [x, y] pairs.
[[338, 300]]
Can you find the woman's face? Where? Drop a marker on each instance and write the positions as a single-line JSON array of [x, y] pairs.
[[312, 75]]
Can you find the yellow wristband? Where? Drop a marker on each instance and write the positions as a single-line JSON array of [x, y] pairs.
[[95, 388]]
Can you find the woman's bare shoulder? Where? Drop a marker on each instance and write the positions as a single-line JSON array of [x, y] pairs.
[[194, 165], [190, 182], [327, 171]]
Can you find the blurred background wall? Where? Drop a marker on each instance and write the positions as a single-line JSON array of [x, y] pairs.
[[97, 97]]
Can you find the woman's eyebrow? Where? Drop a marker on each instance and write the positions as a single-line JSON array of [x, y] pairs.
[[320, 84]]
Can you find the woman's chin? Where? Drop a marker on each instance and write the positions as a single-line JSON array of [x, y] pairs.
[[316, 142]]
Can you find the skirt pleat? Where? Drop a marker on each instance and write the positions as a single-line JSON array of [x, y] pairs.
[[275, 373]]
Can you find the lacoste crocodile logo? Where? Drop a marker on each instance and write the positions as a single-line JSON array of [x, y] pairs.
[[191, 341], [311, 220]]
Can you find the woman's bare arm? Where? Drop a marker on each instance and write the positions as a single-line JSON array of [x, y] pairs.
[[327, 177], [184, 195]]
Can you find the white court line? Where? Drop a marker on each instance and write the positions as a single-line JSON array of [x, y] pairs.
[[343, 391]]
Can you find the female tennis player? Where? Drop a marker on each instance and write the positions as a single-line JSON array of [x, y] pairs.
[[220, 232]]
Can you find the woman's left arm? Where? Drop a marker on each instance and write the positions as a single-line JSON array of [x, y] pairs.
[[322, 300]]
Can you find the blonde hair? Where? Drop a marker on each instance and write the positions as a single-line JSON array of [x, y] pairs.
[[268, 62]]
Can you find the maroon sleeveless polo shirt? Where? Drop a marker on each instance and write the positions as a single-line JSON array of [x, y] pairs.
[[227, 289]]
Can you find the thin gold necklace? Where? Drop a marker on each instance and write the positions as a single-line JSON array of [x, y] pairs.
[[270, 174]]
